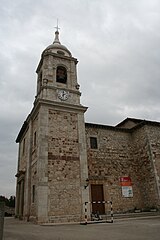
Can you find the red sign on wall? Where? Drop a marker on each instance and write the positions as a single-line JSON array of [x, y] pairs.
[[126, 184], [125, 181]]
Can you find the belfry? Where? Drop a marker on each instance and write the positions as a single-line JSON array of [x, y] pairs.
[[64, 163]]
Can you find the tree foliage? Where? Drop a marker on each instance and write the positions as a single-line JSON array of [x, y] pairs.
[[10, 202]]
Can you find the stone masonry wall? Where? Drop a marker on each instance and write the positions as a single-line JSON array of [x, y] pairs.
[[63, 167], [120, 154], [113, 159], [21, 193], [142, 165], [154, 133], [145, 146], [23, 147], [34, 159]]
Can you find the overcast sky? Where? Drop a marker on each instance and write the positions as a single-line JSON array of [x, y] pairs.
[[117, 44]]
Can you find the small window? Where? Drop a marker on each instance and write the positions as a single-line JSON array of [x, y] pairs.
[[61, 75], [40, 79], [24, 146], [60, 52], [33, 193], [93, 143], [35, 139]]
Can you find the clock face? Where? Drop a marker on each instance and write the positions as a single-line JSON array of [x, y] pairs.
[[63, 95]]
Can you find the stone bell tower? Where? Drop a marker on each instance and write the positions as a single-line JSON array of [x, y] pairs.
[[62, 164], [54, 161]]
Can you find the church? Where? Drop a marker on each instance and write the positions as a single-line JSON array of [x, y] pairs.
[[68, 168]]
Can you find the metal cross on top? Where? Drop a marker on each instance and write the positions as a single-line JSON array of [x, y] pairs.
[[57, 26]]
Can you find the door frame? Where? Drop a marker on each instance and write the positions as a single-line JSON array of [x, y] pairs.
[[103, 196]]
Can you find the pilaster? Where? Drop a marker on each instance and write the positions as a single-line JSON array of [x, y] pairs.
[[42, 166]]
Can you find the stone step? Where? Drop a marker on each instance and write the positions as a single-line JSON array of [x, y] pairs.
[[131, 215], [109, 219]]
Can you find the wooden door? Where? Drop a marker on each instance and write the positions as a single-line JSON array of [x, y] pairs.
[[97, 196]]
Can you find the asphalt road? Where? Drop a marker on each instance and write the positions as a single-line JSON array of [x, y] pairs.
[[128, 229]]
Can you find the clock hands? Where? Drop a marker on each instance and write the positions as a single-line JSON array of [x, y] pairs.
[[63, 95]]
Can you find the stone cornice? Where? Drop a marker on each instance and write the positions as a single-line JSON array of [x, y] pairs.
[[20, 174], [45, 53], [59, 88], [22, 131], [61, 106], [53, 104]]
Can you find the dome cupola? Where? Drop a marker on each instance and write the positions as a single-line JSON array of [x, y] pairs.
[[57, 47]]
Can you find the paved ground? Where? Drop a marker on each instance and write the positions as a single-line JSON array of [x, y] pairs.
[[127, 229]]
